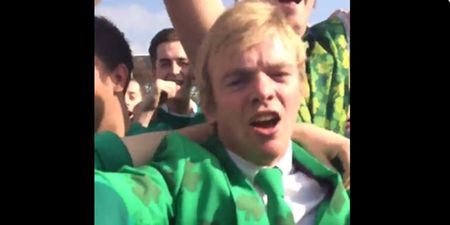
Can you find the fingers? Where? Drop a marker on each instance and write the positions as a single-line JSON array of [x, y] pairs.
[[159, 93], [347, 177], [347, 183], [168, 87], [324, 159], [344, 156], [151, 100]]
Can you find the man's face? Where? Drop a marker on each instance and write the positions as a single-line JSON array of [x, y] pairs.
[[172, 65], [296, 13], [256, 94], [108, 111], [133, 95]]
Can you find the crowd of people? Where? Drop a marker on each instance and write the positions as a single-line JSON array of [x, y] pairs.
[[268, 140]]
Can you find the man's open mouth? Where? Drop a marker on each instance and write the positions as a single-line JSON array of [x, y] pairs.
[[265, 120]]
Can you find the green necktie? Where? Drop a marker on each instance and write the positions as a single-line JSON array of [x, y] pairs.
[[269, 180]]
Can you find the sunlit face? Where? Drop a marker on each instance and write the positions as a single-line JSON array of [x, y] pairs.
[[133, 95], [172, 64], [256, 95], [109, 115]]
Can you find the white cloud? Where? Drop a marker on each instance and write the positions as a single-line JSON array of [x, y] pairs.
[[138, 23]]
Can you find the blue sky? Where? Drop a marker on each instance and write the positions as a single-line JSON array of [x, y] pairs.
[[140, 20]]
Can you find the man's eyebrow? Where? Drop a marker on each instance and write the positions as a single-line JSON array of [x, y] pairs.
[[164, 59], [239, 72], [278, 66], [169, 59]]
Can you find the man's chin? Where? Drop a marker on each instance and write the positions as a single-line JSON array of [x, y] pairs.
[[296, 26], [271, 150]]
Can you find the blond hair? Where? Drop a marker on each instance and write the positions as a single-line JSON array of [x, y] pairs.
[[244, 25]]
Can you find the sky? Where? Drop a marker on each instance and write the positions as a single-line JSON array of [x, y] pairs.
[[140, 20]]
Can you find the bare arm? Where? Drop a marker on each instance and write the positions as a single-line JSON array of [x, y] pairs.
[[192, 19], [142, 147]]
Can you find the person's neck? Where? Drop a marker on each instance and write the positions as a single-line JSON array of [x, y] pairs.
[[117, 120], [251, 167], [259, 160], [179, 106]]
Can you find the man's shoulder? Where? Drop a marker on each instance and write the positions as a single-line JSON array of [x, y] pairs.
[[110, 152], [330, 32], [333, 26], [175, 146]]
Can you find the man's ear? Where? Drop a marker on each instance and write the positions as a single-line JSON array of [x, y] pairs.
[[120, 76], [210, 111]]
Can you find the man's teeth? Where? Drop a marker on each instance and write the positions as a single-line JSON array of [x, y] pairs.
[[264, 118]]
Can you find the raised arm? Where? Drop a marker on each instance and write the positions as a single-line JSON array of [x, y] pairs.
[[192, 19]]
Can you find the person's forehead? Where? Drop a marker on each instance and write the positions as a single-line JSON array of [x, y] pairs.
[[99, 65], [133, 85], [270, 52], [97, 61], [170, 48], [271, 49]]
